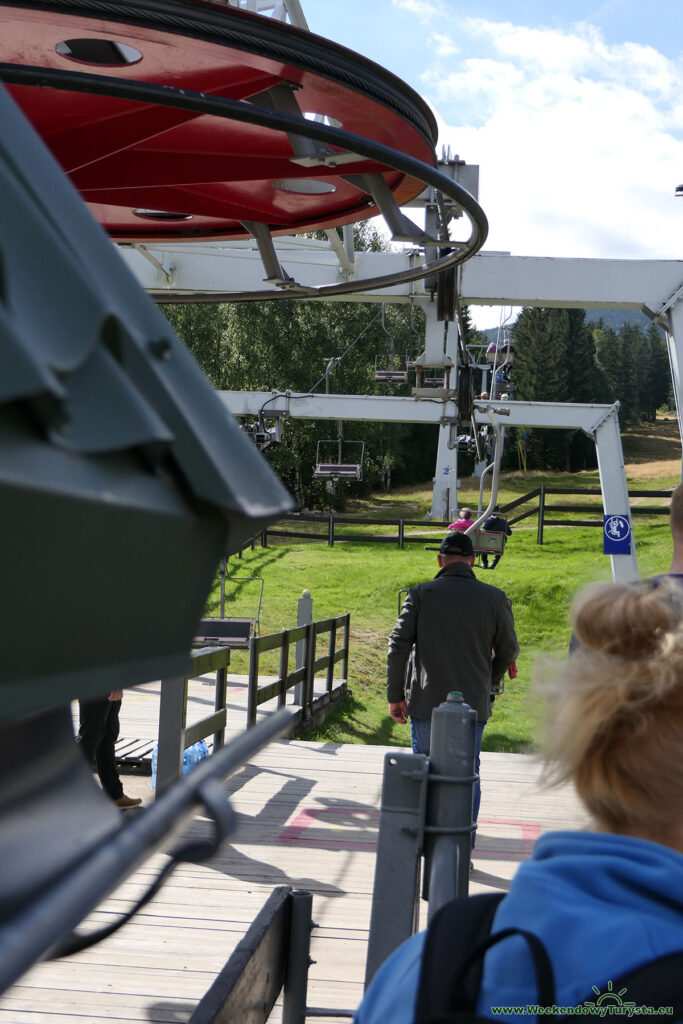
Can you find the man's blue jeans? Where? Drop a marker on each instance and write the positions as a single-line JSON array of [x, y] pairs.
[[420, 736]]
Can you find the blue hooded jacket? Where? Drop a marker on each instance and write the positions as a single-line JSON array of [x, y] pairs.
[[602, 904]]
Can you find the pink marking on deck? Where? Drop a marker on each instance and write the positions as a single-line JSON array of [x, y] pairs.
[[530, 830], [293, 833]]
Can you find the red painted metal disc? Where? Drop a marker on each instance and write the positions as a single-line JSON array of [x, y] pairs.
[[152, 172]]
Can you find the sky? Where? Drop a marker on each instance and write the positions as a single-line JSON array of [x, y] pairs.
[[572, 109]]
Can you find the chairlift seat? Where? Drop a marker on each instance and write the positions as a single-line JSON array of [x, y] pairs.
[[392, 376], [350, 470], [216, 632], [487, 543]]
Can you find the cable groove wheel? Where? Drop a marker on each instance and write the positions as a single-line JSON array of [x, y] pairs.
[[188, 121]]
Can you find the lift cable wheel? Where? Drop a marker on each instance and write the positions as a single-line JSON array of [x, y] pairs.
[[247, 113], [231, 129]]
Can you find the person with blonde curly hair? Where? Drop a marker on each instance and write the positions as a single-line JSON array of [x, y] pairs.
[[604, 901]]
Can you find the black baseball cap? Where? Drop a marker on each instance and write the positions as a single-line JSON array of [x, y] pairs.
[[455, 543]]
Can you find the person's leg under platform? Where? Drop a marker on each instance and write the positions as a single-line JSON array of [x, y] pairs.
[[97, 735]]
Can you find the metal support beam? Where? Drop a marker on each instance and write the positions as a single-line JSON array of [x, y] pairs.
[[488, 279]]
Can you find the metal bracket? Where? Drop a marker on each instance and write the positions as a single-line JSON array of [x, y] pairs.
[[402, 228], [608, 414], [168, 274]]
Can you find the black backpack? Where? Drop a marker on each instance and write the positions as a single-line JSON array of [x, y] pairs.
[[453, 960]]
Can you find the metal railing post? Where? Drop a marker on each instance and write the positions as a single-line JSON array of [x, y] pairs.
[[298, 959], [330, 535], [401, 534], [304, 617]]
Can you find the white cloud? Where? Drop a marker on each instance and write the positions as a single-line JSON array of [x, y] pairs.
[[579, 142], [443, 45], [425, 10]]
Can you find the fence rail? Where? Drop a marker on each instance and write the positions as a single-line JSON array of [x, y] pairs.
[[543, 508], [333, 522]]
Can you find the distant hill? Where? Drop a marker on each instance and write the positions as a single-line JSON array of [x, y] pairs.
[[613, 318]]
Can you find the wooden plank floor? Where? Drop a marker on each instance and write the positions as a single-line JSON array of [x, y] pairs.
[[308, 816]]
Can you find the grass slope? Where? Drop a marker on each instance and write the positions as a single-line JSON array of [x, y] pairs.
[[364, 579], [541, 581]]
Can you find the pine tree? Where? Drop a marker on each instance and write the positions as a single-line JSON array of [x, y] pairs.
[[539, 374]]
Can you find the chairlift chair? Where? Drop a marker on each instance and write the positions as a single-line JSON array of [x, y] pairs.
[[508, 353], [395, 369], [396, 372], [339, 467]]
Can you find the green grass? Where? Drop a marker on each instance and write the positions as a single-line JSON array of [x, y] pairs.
[[364, 579]]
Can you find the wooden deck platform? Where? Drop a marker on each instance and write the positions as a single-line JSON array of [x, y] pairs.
[[308, 816]]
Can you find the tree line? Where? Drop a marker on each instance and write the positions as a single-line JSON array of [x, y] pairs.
[[283, 345], [559, 357]]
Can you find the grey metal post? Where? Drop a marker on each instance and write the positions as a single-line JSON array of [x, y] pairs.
[[330, 533], [304, 617], [298, 959], [171, 739], [450, 802], [395, 894]]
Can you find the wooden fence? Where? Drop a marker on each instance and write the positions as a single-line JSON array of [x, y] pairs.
[[302, 676], [406, 531], [541, 507], [175, 736], [332, 522]]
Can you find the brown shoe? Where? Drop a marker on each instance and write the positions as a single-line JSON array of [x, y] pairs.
[[128, 801]]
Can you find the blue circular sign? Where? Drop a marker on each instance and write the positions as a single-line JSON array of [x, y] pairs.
[[617, 528]]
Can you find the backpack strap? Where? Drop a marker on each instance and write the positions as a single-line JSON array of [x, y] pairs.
[[458, 927], [453, 960], [657, 983]]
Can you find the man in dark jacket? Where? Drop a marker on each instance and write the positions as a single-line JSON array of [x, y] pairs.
[[454, 633]]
